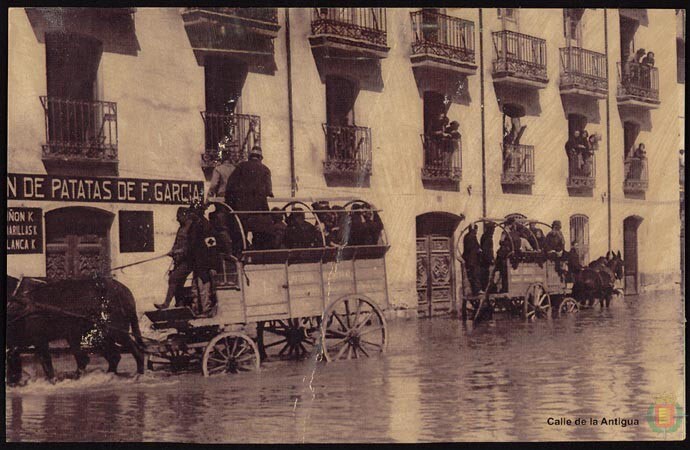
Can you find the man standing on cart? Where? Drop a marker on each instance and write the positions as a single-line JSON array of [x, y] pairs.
[[249, 187], [554, 245], [181, 259]]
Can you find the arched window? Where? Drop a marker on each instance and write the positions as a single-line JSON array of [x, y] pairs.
[[579, 232]]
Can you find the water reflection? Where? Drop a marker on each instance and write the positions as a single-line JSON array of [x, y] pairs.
[[441, 380]]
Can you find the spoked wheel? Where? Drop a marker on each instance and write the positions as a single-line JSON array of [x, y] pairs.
[[568, 306], [230, 352], [292, 338], [354, 327], [537, 303]]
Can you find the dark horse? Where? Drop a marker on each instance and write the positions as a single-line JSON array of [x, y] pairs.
[[98, 310], [597, 281]]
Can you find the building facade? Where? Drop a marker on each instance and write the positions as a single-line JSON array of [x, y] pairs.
[[115, 115]]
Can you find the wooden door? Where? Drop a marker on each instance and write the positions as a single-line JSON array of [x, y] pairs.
[[435, 276], [77, 256]]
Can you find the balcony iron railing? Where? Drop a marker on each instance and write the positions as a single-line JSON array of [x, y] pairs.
[[584, 69], [237, 133], [443, 36], [518, 164], [520, 55], [348, 150], [582, 171], [442, 158], [80, 129], [638, 81], [636, 177], [363, 24]]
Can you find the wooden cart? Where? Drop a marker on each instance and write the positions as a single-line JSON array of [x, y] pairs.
[[533, 288], [322, 301]]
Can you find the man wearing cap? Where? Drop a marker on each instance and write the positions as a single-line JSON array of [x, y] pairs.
[[180, 254], [204, 257], [554, 244], [574, 266], [249, 187]]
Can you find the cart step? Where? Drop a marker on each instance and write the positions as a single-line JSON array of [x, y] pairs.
[[170, 318]]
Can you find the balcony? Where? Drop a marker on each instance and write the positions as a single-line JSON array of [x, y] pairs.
[[520, 59], [442, 42], [518, 165], [349, 31], [583, 72], [636, 177], [244, 33], [442, 160], [348, 152], [582, 172], [233, 133], [81, 136], [638, 85]]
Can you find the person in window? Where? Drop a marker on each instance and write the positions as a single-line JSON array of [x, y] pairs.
[[633, 66], [470, 254], [648, 60], [249, 187], [300, 233], [586, 153], [180, 254], [639, 158], [645, 68], [452, 135]]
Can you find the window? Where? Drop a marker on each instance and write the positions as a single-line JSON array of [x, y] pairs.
[[72, 62], [628, 27], [340, 101], [630, 132], [572, 23], [508, 14], [576, 122], [224, 79], [512, 124], [579, 232], [434, 107], [136, 231]]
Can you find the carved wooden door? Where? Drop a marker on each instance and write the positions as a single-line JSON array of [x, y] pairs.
[[435, 276], [77, 256]]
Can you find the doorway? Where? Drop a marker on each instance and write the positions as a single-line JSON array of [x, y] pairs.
[[435, 263], [77, 242], [630, 226]]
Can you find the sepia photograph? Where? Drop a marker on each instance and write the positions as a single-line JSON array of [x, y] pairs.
[[344, 224]]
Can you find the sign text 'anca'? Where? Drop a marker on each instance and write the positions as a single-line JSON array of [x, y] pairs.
[[24, 230], [22, 186]]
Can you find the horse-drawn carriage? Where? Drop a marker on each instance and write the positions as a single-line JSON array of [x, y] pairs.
[[322, 300], [526, 283]]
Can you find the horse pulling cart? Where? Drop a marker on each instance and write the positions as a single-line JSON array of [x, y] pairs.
[[326, 301], [530, 288]]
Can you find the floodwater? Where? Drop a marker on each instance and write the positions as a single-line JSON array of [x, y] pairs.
[[441, 380]]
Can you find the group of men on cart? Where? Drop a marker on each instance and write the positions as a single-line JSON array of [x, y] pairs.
[[517, 243], [202, 247]]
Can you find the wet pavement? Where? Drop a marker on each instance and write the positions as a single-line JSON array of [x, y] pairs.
[[441, 380]]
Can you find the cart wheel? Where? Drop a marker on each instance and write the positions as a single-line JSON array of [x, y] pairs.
[[568, 306], [537, 304], [230, 352], [293, 338], [354, 327]]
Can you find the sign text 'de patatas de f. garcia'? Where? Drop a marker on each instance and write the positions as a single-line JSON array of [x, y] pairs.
[[95, 189]]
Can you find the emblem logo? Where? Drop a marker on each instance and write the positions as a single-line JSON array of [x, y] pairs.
[[665, 415], [210, 241]]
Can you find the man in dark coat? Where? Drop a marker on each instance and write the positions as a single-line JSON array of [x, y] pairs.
[[574, 266], [249, 187], [486, 257], [204, 257], [180, 254], [554, 245], [300, 233], [470, 254], [279, 228]]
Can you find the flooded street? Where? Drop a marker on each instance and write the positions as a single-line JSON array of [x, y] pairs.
[[441, 380]]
